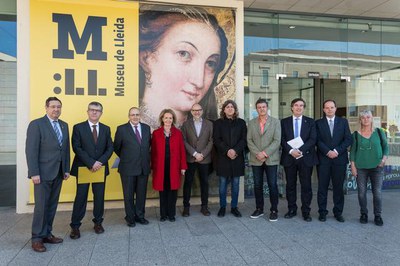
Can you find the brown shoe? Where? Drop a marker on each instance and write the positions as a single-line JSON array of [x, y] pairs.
[[204, 210], [38, 246], [98, 229], [75, 233], [52, 240], [186, 212]]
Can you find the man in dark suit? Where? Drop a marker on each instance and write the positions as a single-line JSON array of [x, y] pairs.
[[132, 145], [47, 155], [333, 139], [298, 160], [92, 144], [197, 133]]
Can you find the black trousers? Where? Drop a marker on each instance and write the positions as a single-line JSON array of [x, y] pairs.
[[80, 203], [203, 170], [336, 173], [134, 186], [304, 173]]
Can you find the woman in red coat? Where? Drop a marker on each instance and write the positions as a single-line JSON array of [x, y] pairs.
[[168, 162]]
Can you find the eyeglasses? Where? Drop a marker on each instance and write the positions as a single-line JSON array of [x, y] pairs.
[[95, 110], [197, 110]]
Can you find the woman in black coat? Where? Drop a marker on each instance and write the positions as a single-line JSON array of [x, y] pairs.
[[230, 141]]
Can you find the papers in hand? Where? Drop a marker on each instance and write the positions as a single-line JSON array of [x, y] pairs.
[[296, 143], [86, 176]]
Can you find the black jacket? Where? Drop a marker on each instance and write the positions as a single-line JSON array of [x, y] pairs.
[[230, 134]]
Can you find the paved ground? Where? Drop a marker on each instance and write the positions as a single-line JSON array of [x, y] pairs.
[[213, 241]]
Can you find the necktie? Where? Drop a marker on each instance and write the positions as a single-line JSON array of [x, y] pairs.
[[57, 131], [331, 126], [296, 128], [139, 139], [94, 133]]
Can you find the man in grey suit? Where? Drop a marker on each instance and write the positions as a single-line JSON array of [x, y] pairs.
[[92, 144], [198, 137], [132, 145], [263, 141], [47, 155]]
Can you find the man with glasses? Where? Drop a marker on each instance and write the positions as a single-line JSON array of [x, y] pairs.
[[197, 133], [47, 155], [92, 144], [132, 145]]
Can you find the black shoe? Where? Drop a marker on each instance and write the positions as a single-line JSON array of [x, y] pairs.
[[290, 214], [171, 219], [273, 216], [163, 219], [307, 217], [75, 233], [131, 224], [339, 218], [236, 212], [204, 210], [186, 212], [221, 212], [98, 228], [257, 214], [322, 217], [141, 221], [378, 220], [364, 218]]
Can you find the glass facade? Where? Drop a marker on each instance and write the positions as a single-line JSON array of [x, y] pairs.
[[353, 61]]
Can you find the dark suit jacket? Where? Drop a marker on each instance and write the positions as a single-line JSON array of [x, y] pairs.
[[202, 144], [340, 140], [86, 151], [134, 157], [230, 134], [309, 135], [43, 152]]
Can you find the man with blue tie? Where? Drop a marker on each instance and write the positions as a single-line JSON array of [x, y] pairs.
[[333, 139], [92, 144], [47, 155], [299, 160]]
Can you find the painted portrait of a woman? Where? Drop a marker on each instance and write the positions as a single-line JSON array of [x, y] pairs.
[[183, 56]]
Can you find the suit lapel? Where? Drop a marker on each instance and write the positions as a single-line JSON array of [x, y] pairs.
[[290, 126], [193, 128]]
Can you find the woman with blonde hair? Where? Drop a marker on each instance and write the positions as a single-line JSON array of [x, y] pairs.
[[368, 156], [168, 162]]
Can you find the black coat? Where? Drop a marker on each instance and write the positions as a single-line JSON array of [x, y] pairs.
[[308, 134], [134, 157], [86, 151], [340, 140], [230, 134]]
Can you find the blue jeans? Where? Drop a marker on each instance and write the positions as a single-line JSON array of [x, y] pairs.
[[376, 177], [258, 176], [223, 185]]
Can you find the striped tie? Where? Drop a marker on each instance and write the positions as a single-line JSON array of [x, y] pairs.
[[58, 133]]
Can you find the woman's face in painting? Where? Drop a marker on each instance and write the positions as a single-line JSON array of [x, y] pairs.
[[184, 65]]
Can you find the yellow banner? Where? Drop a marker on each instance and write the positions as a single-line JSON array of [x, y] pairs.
[[83, 51]]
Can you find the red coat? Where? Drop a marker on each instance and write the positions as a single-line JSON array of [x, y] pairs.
[[177, 159]]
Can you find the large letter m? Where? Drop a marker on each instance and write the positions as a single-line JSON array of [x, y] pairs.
[[93, 27]]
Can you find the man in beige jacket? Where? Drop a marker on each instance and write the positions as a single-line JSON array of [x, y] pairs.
[[263, 141]]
